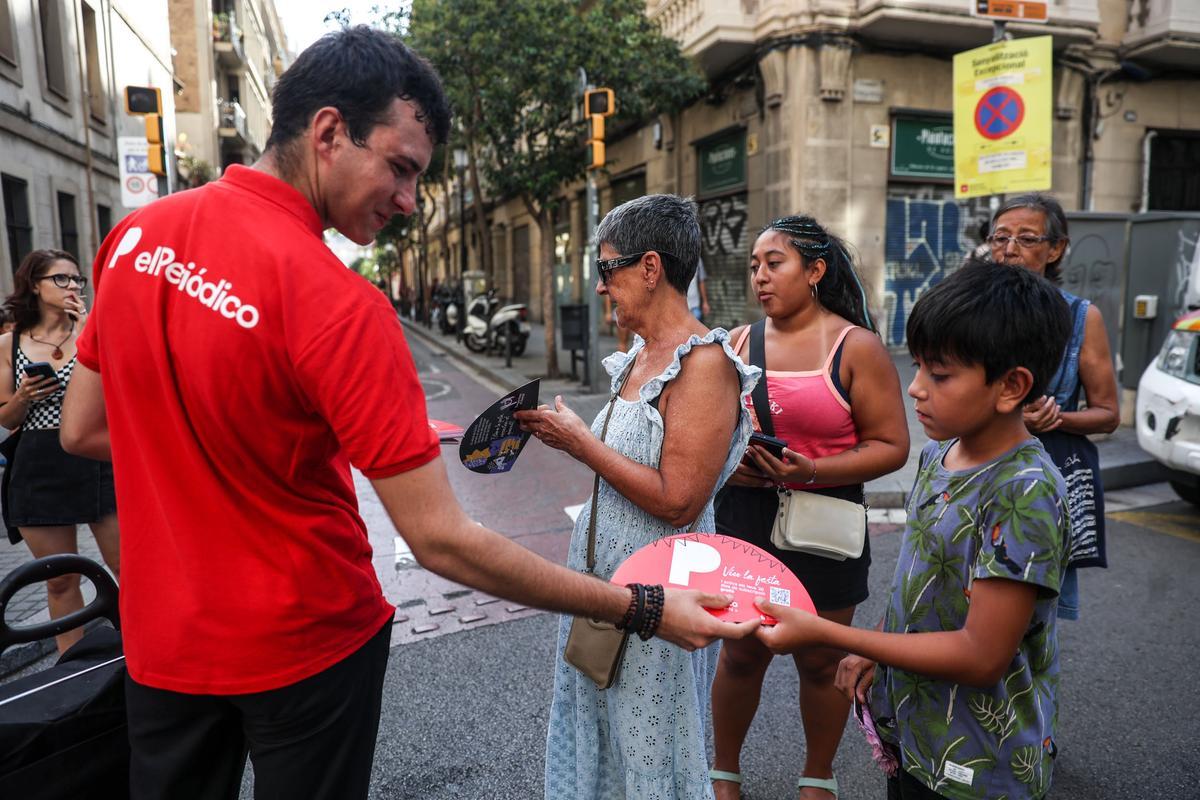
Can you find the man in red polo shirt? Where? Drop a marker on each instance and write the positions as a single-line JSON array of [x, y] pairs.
[[234, 369]]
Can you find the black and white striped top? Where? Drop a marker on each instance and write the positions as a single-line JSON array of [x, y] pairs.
[[44, 414]]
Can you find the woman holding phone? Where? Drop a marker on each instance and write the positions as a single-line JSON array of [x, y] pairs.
[[47, 492], [834, 399]]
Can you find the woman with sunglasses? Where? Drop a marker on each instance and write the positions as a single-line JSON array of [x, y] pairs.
[[676, 429], [1030, 231], [48, 492]]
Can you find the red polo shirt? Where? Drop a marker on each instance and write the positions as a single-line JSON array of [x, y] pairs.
[[244, 370]]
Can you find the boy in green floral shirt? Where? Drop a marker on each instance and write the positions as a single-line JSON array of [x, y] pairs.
[[965, 689]]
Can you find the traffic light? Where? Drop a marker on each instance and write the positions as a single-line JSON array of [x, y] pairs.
[[143, 100], [147, 101], [598, 104], [599, 101], [595, 155], [156, 160]]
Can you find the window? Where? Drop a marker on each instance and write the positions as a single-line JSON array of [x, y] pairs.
[[50, 14], [95, 80], [16, 218], [103, 220], [8, 42], [67, 226]]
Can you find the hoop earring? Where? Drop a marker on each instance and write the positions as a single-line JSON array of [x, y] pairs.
[[816, 295]]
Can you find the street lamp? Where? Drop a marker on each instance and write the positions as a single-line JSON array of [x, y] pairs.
[[460, 164]]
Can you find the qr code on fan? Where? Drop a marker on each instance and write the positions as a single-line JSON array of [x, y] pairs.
[[781, 596]]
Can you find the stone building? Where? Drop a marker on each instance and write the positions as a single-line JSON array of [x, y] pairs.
[[841, 109], [228, 55], [63, 68]]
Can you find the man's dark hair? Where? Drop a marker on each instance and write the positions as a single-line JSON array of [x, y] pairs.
[[359, 71], [1056, 224], [994, 315]]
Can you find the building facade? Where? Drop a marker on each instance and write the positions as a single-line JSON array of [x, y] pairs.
[[228, 55], [63, 68], [842, 109]]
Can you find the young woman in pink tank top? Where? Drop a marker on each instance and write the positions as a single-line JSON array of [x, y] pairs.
[[835, 398]]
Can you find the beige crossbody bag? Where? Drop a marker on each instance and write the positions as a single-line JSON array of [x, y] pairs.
[[595, 647]]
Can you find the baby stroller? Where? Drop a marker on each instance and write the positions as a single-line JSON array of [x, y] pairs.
[[63, 731]]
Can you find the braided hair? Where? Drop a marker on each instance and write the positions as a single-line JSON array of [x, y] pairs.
[[839, 289]]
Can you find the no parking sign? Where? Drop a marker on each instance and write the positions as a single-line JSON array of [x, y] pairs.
[[1002, 102]]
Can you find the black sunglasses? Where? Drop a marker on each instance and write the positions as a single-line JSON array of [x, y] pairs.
[[605, 268]]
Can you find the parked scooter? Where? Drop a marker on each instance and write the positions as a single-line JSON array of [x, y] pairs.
[[449, 303], [490, 326]]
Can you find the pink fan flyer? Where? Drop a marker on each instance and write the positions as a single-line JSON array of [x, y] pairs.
[[720, 564]]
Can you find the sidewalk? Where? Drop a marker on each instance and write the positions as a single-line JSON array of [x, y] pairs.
[[1122, 463]]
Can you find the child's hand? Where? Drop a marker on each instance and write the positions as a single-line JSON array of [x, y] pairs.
[[855, 675], [795, 628]]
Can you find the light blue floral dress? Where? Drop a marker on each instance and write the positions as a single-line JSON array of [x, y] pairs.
[[643, 738]]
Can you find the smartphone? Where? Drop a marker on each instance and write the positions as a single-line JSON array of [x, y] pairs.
[[771, 444], [40, 369]]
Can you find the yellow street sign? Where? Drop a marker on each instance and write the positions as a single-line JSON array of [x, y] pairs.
[[1002, 105]]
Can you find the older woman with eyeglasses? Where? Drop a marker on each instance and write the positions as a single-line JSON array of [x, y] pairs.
[[1031, 231], [46, 492], [677, 430]]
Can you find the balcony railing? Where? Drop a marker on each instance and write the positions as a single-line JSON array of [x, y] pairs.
[[1163, 32], [227, 40], [715, 32], [233, 121]]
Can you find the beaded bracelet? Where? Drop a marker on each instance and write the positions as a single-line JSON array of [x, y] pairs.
[[655, 600], [637, 602]]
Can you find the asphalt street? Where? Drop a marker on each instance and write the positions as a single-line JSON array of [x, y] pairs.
[[466, 703]]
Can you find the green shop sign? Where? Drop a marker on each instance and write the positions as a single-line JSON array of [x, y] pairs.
[[923, 147], [723, 163]]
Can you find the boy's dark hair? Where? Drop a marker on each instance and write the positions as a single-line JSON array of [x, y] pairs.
[[994, 315], [359, 71]]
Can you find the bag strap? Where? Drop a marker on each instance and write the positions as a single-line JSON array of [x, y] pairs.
[[758, 358], [612, 402], [16, 344]]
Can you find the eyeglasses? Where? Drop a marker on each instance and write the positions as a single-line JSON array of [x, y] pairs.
[[1025, 240], [605, 268], [64, 281]]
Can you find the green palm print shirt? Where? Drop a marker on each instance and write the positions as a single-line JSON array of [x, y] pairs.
[[1004, 519]]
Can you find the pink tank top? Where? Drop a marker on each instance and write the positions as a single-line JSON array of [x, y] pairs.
[[807, 411]]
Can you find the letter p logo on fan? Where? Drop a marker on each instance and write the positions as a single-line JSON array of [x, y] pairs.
[[688, 557], [126, 245]]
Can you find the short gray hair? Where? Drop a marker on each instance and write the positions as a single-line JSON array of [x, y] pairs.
[[665, 223], [1056, 223]]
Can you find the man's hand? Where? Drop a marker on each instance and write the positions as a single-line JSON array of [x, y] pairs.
[[795, 628], [686, 623], [1042, 415], [855, 675]]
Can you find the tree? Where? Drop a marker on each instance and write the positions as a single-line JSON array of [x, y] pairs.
[[510, 68]]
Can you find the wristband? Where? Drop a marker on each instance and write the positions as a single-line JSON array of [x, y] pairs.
[[812, 478]]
